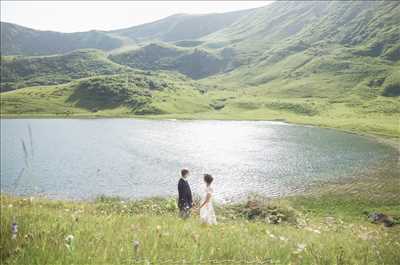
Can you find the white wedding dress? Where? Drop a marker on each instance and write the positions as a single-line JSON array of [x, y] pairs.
[[207, 213]]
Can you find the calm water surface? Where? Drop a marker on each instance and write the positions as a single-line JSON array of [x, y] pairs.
[[79, 159]]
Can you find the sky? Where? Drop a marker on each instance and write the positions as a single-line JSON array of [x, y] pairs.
[[73, 16]]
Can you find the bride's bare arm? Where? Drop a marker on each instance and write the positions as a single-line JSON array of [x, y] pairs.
[[208, 197]]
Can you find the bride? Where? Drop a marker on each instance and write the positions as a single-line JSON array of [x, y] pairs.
[[207, 214]]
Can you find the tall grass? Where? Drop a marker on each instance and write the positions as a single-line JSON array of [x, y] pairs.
[[115, 231]]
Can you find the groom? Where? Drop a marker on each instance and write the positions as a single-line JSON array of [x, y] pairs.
[[185, 202]]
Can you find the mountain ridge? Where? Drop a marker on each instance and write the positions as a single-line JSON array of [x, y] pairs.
[[16, 38], [19, 40]]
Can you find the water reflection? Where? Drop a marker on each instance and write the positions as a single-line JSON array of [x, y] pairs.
[[139, 158]]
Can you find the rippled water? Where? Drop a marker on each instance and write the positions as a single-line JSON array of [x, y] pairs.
[[72, 158]]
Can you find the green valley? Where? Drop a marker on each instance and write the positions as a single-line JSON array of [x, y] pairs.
[[331, 64]]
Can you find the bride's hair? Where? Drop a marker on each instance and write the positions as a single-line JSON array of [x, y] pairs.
[[208, 179]]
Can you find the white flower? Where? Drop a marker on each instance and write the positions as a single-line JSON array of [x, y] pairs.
[[300, 248], [136, 244], [283, 238], [69, 238], [271, 235]]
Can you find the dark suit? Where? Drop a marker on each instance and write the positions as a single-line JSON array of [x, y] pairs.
[[185, 197]]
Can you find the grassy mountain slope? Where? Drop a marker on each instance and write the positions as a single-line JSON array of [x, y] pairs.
[[132, 93], [196, 63], [338, 38], [331, 64], [17, 72], [18, 40], [182, 26], [283, 28]]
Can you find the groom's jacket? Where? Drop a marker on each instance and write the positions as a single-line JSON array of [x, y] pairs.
[[185, 194]]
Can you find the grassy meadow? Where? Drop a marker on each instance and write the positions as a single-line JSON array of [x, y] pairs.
[[329, 226]]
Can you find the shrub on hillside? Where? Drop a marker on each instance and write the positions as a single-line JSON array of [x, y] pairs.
[[393, 53], [111, 91], [299, 108], [258, 208], [391, 86]]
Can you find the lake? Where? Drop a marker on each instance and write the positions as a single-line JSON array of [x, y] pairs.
[[85, 158]]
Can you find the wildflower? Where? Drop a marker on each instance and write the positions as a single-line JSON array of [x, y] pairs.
[[158, 228], [300, 248], [28, 236], [317, 231], [69, 242], [31, 199], [14, 230], [136, 245], [10, 206], [283, 238], [271, 235]]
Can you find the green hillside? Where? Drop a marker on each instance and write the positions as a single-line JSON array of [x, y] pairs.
[[195, 63], [18, 72], [18, 40], [182, 26], [332, 64], [131, 93], [367, 28], [332, 37]]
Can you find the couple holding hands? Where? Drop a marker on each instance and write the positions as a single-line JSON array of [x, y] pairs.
[[185, 201]]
